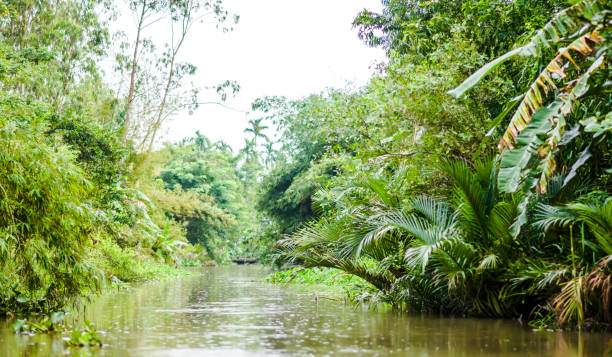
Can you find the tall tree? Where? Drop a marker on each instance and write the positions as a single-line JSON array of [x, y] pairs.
[[183, 15], [147, 13], [257, 129]]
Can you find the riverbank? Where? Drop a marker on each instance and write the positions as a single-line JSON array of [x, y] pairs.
[[69, 318]]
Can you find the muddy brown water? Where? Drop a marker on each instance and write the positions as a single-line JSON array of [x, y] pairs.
[[229, 311]]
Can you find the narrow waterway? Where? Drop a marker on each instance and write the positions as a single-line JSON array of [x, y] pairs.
[[228, 311]]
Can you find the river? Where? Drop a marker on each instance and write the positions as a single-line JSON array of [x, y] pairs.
[[229, 311]]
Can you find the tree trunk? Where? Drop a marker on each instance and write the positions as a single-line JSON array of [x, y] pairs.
[[158, 121], [162, 106], [133, 74]]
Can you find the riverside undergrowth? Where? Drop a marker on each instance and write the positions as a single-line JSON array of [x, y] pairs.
[[454, 197], [89, 198], [326, 283]]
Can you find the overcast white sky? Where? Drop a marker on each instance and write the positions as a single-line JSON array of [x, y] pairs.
[[279, 47]]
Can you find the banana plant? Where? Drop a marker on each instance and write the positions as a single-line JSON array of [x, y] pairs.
[[579, 35]]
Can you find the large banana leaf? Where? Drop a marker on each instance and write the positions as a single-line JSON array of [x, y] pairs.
[[514, 162], [540, 133], [544, 84], [566, 22]]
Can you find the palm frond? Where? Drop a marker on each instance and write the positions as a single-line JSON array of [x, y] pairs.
[[568, 304], [468, 196], [547, 217], [599, 281], [598, 218], [382, 280], [377, 241], [490, 262], [455, 261], [422, 230], [436, 212], [315, 234], [500, 220], [539, 275]]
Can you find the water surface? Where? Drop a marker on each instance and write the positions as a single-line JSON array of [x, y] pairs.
[[228, 311]]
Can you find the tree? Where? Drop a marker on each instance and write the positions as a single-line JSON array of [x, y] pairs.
[[537, 128], [183, 15], [415, 28], [147, 13], [249, 151], [201, 142], [257, 129], [57, 44]]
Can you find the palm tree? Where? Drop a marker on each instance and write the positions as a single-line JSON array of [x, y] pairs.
[[248, 150], [464, 245], [257, 129], [201, 142], [269, 152], [223, 146], [461, 249], [580, 283]]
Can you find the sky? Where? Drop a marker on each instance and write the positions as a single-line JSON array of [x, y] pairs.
[[288, 48]]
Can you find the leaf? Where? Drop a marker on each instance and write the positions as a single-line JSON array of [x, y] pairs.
[[378, 186], [544, 84], [592, 125], [509, 178], [489, 262], [482, 72], [561, 25], [521, 219], [570, 135], [584, 157], [513, 162], [568, 304]]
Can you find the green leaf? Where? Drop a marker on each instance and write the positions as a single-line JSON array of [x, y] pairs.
[[20, 325], [378, 186], [513, 162], [521, 219], [584, 157], [482, 72]]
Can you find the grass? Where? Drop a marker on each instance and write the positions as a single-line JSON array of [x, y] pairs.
[[328, 283]]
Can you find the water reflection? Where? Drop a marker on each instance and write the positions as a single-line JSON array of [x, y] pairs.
[[227, 311]]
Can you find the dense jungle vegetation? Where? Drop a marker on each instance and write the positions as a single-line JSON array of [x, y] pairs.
[[88, 198], [472, 175]]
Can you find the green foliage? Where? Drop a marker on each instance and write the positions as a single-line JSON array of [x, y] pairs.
[[207, 178], [323, 280], [47, 215], [85, 337], [585, 26], [48, 323], [347, 134], [418, 205], [71, 217], [417, 28]]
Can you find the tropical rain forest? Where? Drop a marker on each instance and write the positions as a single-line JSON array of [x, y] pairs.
[[456, 203]]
